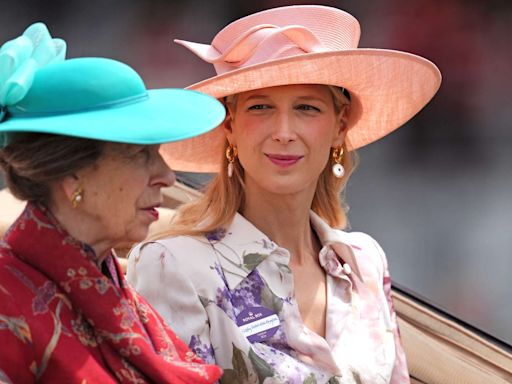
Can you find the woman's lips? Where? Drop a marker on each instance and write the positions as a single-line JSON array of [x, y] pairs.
[[283, 161], [152, 211]]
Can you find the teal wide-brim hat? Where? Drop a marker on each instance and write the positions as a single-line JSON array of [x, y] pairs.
[[94, 98]]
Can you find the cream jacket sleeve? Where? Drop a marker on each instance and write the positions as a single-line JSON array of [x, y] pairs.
[[152, 271]]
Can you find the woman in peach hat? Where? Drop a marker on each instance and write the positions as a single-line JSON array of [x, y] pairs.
[[258, 275]]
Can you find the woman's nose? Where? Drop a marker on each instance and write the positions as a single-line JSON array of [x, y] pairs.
[[163, 175], [283, 128]]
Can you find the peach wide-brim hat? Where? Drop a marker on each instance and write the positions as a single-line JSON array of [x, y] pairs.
[[307, 44]]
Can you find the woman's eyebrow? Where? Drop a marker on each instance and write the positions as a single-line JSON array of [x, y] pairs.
[[257, 96], [305, 97], [312, 98]]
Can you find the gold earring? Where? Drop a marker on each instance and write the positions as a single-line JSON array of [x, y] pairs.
[[77, 197], [337, 169], [231, 154]]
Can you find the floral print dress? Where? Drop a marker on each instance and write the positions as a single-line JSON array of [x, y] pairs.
[[230, 296]]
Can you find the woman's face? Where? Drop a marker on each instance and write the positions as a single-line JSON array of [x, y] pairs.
[[122, 190], [284, 135]]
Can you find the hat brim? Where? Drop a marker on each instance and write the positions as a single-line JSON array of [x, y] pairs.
[[387, 88], [167, 115]]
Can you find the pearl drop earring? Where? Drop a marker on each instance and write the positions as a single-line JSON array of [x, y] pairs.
[[337, 169], [231, 153]]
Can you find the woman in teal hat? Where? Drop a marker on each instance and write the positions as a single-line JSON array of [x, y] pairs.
[[79, 141]]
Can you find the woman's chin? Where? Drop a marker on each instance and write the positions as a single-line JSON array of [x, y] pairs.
[[139, 229], [285, 187], [135, 235]]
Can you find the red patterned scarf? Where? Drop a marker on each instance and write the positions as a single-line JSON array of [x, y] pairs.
[[136, 344]]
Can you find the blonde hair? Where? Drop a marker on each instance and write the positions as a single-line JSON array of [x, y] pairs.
[[224, 196]]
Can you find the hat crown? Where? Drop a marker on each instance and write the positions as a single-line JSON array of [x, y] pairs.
[[279, 33], [79, 85], [336, 29]]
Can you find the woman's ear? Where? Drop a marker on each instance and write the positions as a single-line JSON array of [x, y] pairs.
[[227, 126], [342, 127], [69, 185]]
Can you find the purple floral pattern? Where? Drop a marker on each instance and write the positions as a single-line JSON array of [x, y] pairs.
[[216, 235], [203, 350]]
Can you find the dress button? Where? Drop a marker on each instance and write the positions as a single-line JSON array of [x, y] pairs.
[[347, 269]]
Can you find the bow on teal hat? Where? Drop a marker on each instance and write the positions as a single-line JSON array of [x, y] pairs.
[[20, 58]]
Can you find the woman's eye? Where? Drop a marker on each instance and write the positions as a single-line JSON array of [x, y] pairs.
[[145, 153], [307, 107], [258, 107]]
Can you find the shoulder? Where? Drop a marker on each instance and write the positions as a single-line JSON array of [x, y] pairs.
[[170, 260], [364, 242], [368, 254], [7, 263], [359, 249], [16, 297], [11, 268], [18, 280], [179, 249]]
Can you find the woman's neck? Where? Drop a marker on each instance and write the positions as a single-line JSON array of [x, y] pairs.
[[81, 229], [284, 219]]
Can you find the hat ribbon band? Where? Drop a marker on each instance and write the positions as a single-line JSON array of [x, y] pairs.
[[3, 111], [241, 50], [18, 112]]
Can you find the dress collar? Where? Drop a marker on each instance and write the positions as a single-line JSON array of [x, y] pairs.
[[338, 240], [242, 247]]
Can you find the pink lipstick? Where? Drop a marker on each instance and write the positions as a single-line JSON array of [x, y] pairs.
[[283, 161], [152, 211]]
